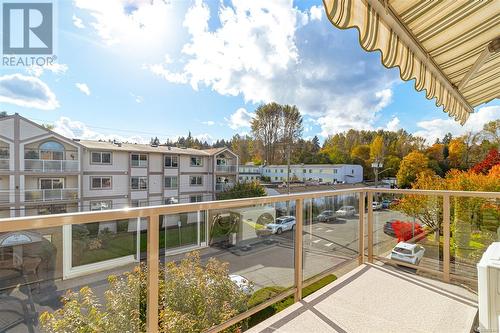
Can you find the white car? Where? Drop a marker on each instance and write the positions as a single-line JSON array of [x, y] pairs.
[[407, 252], [243, 284], [281, 224], [376, 205], [345, 211]]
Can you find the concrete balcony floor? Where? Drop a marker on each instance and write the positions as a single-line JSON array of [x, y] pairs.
[[379, 298]]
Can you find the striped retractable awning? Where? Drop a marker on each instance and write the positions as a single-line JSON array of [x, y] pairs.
[[450, 47]]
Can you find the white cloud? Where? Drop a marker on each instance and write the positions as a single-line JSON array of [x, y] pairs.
[[437, 128], [204, 137], [77, 22], [84, 88], [135, 24], [393, 124], [56, 68], [77, 129], [240, 118], [272, 51], [27, 91], [208, 122], [138, 99]]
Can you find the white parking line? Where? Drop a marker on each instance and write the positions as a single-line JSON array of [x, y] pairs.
[[317, 241], [328, 244], [329, 230], [319, 228]]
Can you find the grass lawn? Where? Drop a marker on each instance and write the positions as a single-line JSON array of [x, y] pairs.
[[124, 244], [264, 294]]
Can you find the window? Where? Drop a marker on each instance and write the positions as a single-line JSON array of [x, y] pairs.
[[4, 152], [310, 171], [196, 180], [101, 205], [138, 203], [170, 201], [304, 170], [171, 182], [97, 183], [100, 157], [171, 161], [196, 161], [51, 183], [196, 198], [139, 183], [352, 171], [51, 150], [139, 160], [335, 171]]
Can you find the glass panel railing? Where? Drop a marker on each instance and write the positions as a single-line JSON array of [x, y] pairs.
[[330, 234], [4, 164], [51, 165], [4, 196], [408, 230], [248, 259], [39, 291], [475, 224]]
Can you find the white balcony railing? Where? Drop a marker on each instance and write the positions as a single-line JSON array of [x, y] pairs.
[[219, 187], [226, 168], [51, 165], [4, 164], [4, 196], [50, 195]]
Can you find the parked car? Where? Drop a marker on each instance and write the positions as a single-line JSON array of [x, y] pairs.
[[386, 203], [281, 224], [376, 205], [403, 230], [407, 252], [243, 284], [346, 211], [326, 216]]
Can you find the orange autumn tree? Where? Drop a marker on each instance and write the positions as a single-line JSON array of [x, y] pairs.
[[468, 214]]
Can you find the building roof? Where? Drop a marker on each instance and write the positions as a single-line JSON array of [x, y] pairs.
[[141, 148], [306, 165], [451, 48]]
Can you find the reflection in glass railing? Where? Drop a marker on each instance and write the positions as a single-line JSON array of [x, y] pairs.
[[330, 233]]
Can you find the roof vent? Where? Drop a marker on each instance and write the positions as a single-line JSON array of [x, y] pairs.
[[76, 140], [118, 143]]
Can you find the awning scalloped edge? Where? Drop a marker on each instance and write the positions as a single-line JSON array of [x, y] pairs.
[[374, 35]]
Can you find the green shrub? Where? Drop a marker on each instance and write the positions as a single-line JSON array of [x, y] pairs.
[[266, 293]]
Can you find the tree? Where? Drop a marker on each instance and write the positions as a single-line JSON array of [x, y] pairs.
[[266, 126], [411, 165], [186, 305], [377, 149], [243, 190], [456, 153], [491, 132], [316, 145], [492, 159]]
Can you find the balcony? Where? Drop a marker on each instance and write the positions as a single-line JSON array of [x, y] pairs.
[[336, 233], [221, 187], [4, 196], [226, 168], [51, 166], [45, 195], [4, 164]]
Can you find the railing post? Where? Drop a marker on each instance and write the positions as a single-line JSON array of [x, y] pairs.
[[370, 226], [446, 237], [153, 272], [361, 231], [299, 217]]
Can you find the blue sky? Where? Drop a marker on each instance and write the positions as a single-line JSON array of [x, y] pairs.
[[136, 69]]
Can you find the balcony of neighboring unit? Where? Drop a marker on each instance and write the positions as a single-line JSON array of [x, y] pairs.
[[45, 161], [4, 196], [46, 195], [4, 164], [221, 187], [226, 168]]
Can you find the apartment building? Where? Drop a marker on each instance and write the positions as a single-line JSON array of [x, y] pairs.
[[42, 172], [322, 173]]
